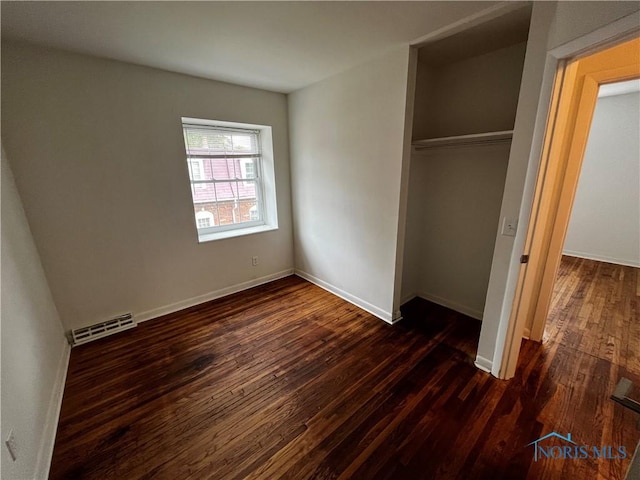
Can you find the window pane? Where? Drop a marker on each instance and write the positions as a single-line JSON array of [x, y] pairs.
[[222, 168], [210, 141], [244, 143], [248, 168], [203, 192], [235, 199], [247, 190], [205, 215], [226, 193], [196, 169], [249, 210]]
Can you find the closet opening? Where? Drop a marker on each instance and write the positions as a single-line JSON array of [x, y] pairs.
[[466, 97]]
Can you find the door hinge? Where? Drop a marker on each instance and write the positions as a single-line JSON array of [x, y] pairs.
[[524, 259]]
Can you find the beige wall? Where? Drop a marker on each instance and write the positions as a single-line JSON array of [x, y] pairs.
[[35, 351], [347, 135], [574, 19], [98, 155], [454, 204], [474, 95]]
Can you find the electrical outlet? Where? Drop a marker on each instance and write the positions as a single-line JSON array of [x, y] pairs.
[[509, 226], [254, 260], [12, 446]]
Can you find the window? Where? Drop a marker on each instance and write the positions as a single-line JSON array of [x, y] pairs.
[[204, 219], [248, 168], [231, 176], [196, 170]]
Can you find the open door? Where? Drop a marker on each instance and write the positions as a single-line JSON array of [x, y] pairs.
[[573, 103]]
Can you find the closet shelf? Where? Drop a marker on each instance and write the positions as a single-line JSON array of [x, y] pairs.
[[471, 139]]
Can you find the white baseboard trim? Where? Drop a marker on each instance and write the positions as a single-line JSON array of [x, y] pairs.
[[207, 297], [358, 302], [483, 364], [468, 311], [48, 439], [408, 298], [602, 258]]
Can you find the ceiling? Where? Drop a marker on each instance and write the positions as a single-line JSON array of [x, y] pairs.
[[503, 31], [279, 46]]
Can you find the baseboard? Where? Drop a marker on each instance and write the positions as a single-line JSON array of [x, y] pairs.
[[408, 298], [483, 364], [48, 439], [358, 302], [207, 297], [602, 258], [468, 311]]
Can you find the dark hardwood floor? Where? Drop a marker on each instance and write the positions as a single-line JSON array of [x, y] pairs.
[[288, 381]]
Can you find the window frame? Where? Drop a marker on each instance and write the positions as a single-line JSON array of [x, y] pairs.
[[264, 179]]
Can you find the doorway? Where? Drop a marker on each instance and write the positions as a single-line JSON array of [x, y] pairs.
[[594, 302], [573, 103]]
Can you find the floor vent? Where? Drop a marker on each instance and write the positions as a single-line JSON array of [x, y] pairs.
[[99, 330]]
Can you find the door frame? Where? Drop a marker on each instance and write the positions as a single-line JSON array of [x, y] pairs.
[[555, 184], [564, 162]]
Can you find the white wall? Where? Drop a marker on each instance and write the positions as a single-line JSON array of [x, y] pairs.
[[35, 352], [346, 149], [549, 29], [97, 150], [605, 218]]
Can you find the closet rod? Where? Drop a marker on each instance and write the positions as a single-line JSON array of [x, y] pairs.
[[472, 139]]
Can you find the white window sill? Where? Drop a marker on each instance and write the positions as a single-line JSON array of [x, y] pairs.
[[236, 232]]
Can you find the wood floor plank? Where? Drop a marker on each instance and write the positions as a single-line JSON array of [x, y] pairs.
[[288, 381]]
